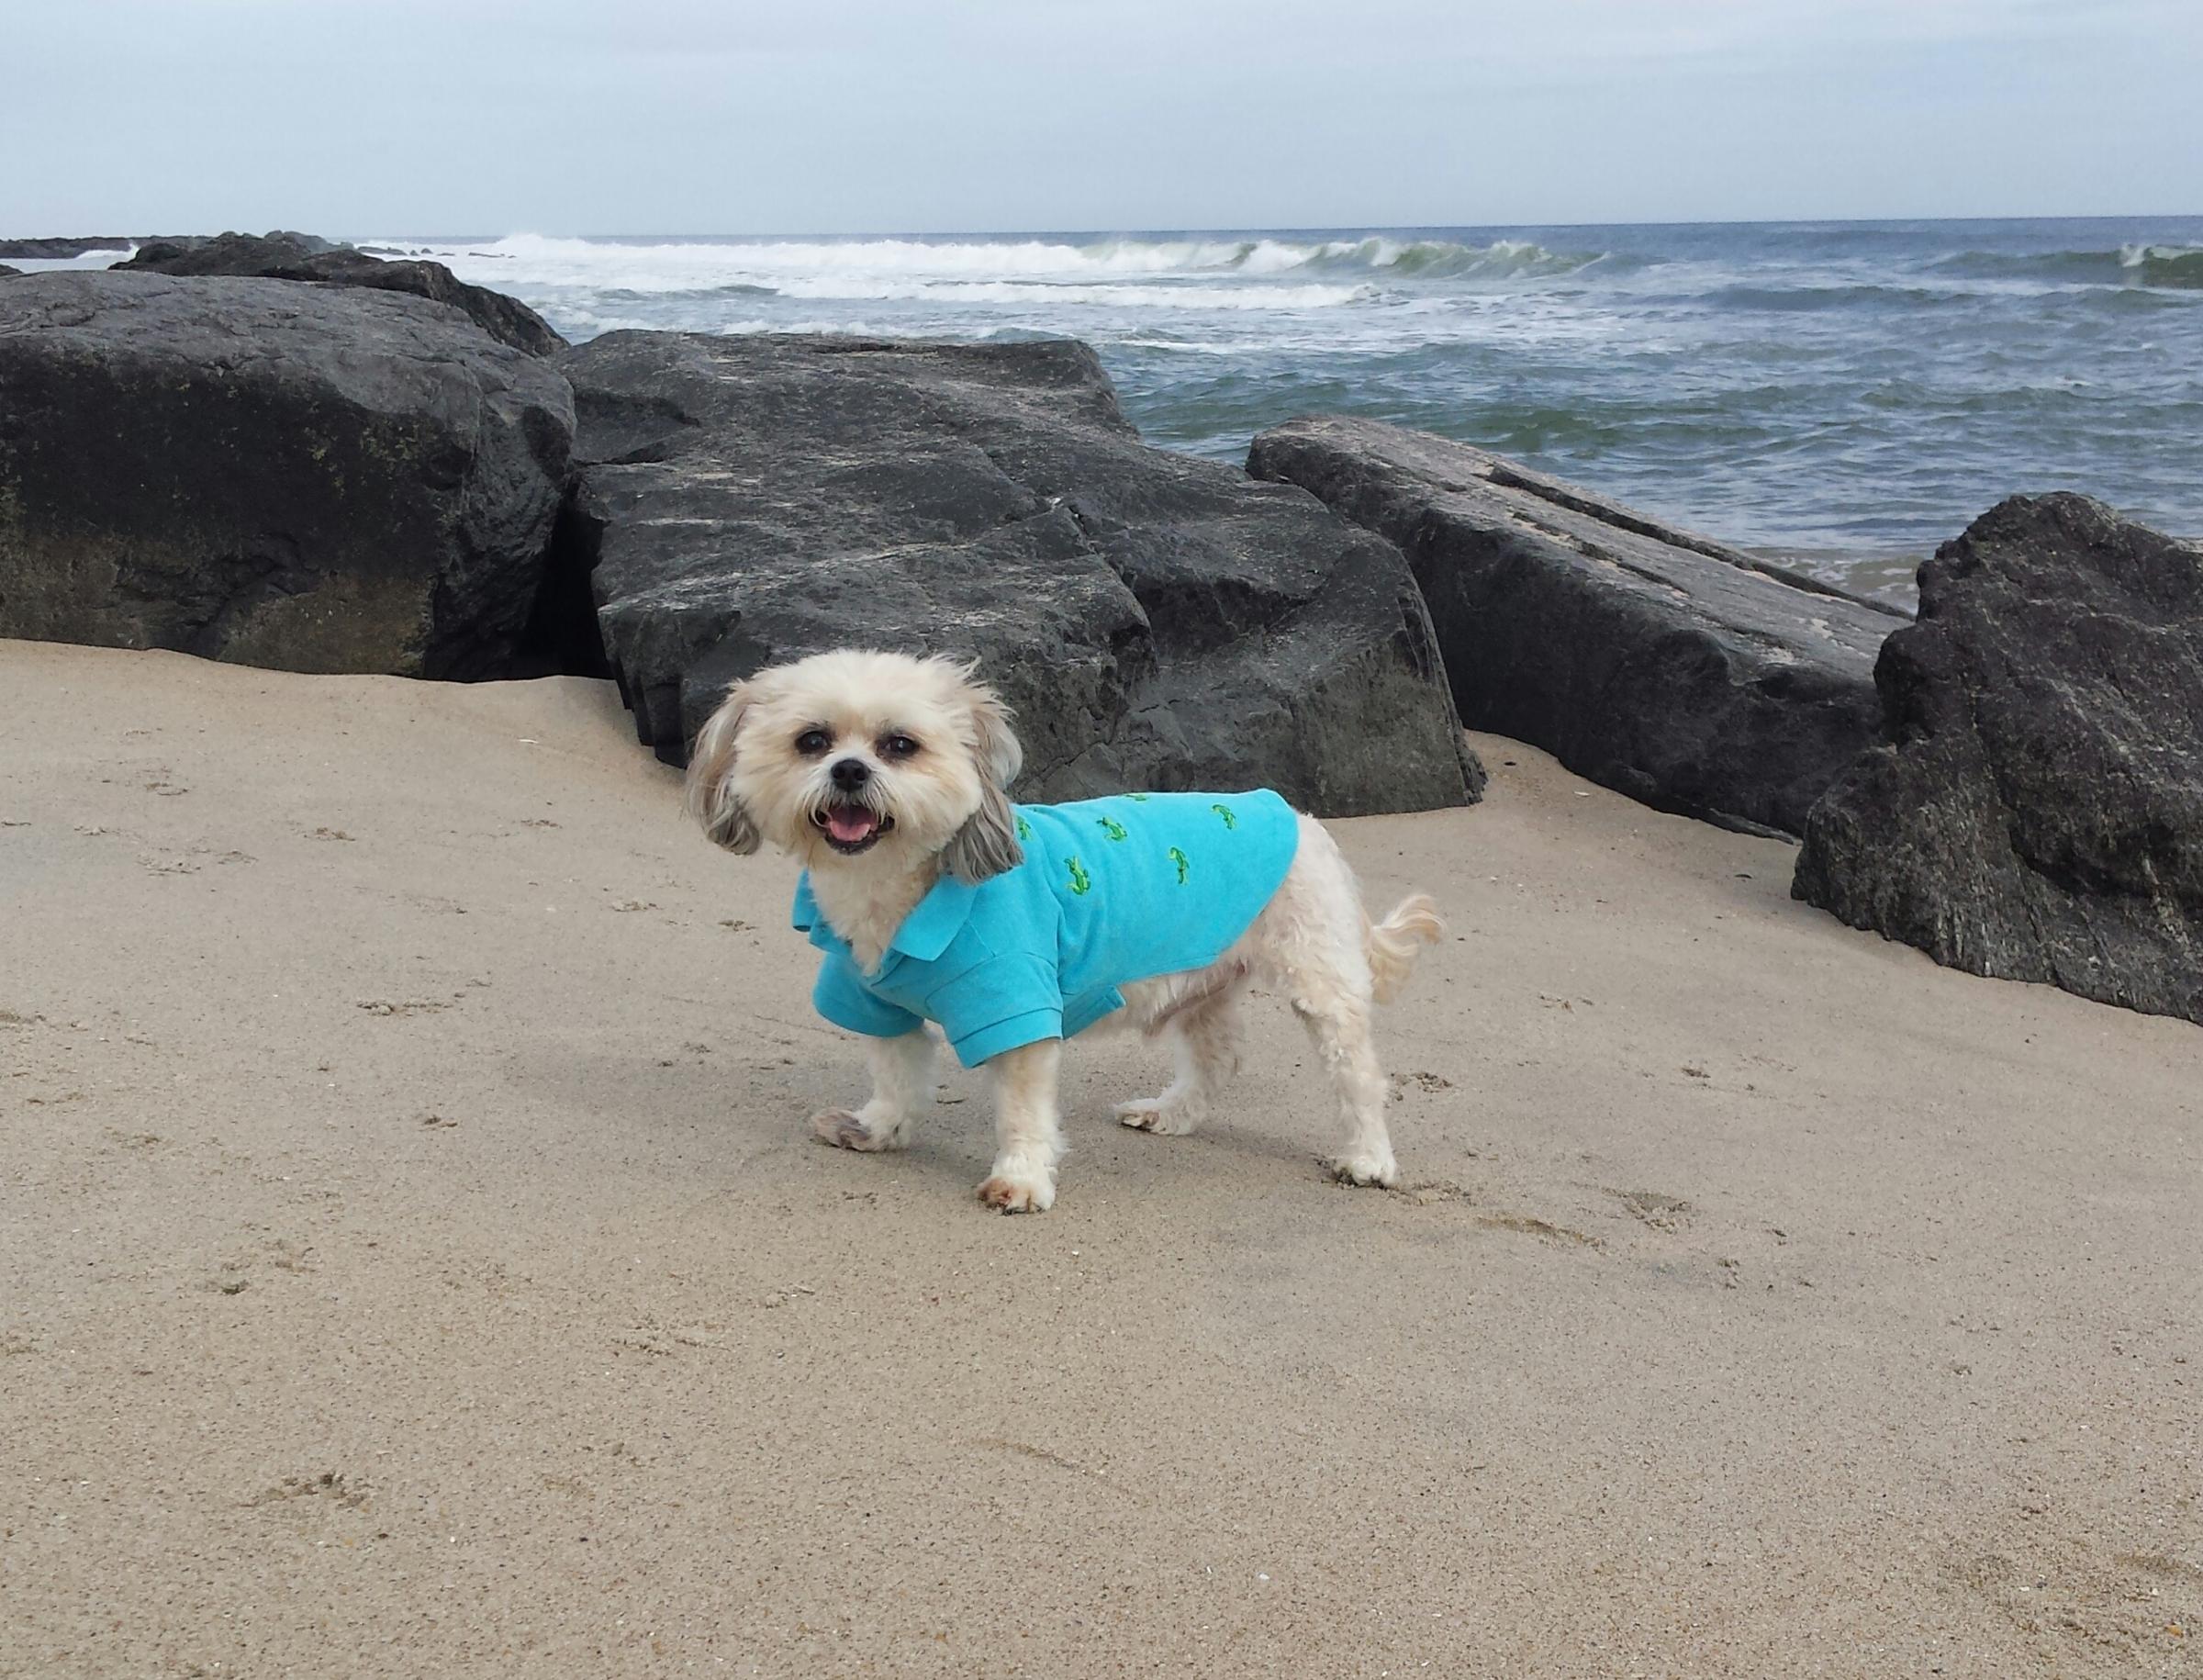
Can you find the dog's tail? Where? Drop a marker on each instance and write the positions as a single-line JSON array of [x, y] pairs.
[[1394, 943]]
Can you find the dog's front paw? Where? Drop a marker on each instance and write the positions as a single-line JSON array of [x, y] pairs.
[[1154, 1114], [1366, 1169], [1019, 1192], [847, 1129]]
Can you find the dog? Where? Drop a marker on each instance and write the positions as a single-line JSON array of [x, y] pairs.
[[934, 899]]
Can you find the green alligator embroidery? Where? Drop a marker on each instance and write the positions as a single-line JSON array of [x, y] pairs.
[[1226, 812], [1024, 829], [1178, 858], [1111, 826], [1082, 882], [1137, 799]]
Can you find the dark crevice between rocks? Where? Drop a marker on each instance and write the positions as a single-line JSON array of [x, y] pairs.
[[562, 638]]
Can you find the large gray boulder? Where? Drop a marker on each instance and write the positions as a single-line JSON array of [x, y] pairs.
[[307, 478], [1686, 675], [2036, 810], [302, 256], [1156, 621]]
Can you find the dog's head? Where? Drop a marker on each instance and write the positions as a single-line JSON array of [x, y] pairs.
[[849, 756]]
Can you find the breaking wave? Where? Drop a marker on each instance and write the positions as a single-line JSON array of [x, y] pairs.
[[1416, 259], [1197, 271], [2171, 267]]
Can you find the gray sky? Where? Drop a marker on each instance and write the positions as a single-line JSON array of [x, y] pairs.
[[388, 116]]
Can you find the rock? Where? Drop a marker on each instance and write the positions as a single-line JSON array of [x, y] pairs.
[[227, 253], [1683, 674], [58, 249], [1156, 621], [309, 478], [2036, 810], [8, 273], [301, 256], [171, 247]]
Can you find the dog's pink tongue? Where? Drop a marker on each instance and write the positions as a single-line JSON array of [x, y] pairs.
[[848, 824]]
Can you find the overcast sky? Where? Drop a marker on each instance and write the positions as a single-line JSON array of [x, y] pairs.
[[390, 117]]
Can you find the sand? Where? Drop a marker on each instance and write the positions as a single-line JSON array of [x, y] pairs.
[[413, 1260]]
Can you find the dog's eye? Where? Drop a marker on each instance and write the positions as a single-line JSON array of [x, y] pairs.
[[812, 742], [898, 746]]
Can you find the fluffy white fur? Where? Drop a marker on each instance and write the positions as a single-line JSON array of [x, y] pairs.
[[937, 759]]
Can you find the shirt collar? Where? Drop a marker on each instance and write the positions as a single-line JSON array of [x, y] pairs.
[[925, 933]]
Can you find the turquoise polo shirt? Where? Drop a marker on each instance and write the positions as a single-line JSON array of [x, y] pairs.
[[1110, 890]]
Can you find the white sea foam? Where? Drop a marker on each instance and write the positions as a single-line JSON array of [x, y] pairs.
[[107, 257], [690, 265], [1269, 272], [1209, 347], [1058, 293]]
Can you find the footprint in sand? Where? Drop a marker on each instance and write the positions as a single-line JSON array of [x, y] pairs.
[[1661, 1212]]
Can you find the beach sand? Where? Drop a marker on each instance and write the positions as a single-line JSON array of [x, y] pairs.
[[415, 1261]]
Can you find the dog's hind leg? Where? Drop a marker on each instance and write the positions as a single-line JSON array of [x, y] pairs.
[[902, 1083], [1339, 1026], [1313, 938], [1204, 1042]]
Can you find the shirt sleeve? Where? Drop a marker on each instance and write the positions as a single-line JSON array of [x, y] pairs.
[[842, 998], [1006, 1001]]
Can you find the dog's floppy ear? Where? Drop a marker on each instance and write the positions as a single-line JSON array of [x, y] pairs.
[[710, 795], [987, 846]]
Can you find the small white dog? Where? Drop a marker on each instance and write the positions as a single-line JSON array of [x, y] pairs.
[[1012, 928]]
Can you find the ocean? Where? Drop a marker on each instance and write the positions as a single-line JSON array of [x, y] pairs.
[[1842, 394]]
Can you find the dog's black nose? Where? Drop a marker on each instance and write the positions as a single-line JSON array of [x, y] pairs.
[[850, 774]]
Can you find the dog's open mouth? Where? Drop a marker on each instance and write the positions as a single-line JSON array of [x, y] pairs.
[[850, 829]]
